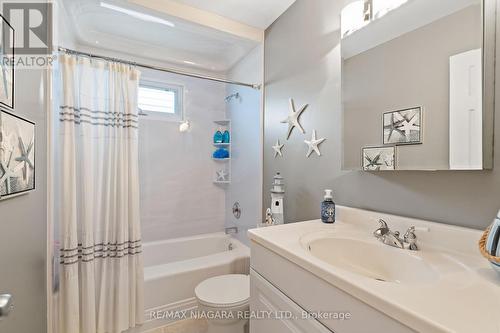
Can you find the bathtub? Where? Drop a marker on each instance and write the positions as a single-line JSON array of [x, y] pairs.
[[173, 268]]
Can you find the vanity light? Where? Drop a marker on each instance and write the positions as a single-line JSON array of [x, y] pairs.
[[352, 18], [382, 7], [184, 126], [139, 15]]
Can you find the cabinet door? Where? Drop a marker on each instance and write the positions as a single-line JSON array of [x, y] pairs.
[[286, 316]]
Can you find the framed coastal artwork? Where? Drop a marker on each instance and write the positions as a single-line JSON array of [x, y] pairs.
[[403, 127], [6, 64], [17, 155], [379, 158]]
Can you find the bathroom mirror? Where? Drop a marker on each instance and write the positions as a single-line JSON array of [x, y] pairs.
[[418, 84]]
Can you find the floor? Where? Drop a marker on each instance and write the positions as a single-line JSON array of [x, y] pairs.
[[184, 326]]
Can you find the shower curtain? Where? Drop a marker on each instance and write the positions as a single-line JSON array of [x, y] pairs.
[[101, 270]]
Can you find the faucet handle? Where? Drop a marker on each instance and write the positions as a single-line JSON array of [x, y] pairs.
[[411, 238], [410, 233], [382, 230], [383, 224]]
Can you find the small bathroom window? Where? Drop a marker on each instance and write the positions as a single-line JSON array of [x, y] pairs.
[[160, 101]]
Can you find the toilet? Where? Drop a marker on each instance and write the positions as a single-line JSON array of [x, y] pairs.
[[224, 299]]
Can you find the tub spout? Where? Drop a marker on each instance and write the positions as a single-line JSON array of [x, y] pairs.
[[231, 230]]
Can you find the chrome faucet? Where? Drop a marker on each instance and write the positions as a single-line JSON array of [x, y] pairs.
[[386, 236]]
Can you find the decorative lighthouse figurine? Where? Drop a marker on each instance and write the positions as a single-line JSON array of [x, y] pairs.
[[277, 196]]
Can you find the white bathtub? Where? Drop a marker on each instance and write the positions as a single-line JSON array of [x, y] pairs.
[[173, 268]]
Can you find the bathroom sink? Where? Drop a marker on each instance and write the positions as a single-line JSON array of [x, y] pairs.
[[373, 260]]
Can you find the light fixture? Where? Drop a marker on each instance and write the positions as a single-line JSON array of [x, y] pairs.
[[139, 15], [189, 62], [184, 126]]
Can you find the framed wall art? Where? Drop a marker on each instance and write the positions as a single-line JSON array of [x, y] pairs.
[[379, 158], [6, 64], [403, 127], [17, 155]]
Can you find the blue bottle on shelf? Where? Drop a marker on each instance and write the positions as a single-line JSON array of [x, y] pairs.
[[328, 208], [226, 138], [218, 137]]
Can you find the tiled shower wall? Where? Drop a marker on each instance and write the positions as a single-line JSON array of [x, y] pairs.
[[178, 197]]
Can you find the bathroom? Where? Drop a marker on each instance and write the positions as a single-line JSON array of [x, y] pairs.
[[201, 190]]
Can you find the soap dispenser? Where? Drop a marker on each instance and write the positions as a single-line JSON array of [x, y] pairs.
[[328, 208]]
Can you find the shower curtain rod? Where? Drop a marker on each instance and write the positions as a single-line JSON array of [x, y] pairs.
[[161, 69]]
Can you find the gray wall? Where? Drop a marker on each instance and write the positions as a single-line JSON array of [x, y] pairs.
[[23, 222], [302, 60], [408, 71]]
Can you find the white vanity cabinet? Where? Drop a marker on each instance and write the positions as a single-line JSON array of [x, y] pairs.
[[277, 313], [283, 288]]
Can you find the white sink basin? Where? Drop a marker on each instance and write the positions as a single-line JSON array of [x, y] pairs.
[[373, 260]]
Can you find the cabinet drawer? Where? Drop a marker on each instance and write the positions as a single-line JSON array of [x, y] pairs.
[[267, 299]]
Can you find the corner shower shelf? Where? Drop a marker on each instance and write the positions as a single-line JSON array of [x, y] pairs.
[[224, 123], [222, 182]]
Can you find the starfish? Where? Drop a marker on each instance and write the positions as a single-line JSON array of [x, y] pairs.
[[409, 125], [277, 149], [25, 158], [394, 126], [313, 144], [221, 175], [293, 118], [8, 173], [373, 162]]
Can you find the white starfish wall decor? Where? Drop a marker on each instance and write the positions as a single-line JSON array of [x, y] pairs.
[[277, 149], [293, 118], [313, 144]]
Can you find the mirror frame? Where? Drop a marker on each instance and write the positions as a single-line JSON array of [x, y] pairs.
[[489, 8]]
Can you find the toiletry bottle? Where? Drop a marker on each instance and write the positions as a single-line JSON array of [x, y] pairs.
[[328, 208], [218, 137], [226, 137]]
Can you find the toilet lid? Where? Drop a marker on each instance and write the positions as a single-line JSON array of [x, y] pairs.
[[224, 290]]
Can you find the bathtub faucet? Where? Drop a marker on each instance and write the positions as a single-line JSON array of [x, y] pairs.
[[231, 230]]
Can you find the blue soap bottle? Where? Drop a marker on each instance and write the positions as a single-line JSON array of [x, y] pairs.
[[226, 137], [218, 137], [328, 208]]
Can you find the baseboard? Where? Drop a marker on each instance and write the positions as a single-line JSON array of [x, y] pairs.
[[151, 322]]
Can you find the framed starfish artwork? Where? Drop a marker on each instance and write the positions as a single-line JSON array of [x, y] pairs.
[[17, 155], [6, 64], [379, 158], [403, 127]]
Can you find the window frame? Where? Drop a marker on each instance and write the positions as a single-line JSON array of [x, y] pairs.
[[178, 116]]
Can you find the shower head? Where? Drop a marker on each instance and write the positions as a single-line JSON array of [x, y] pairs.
[[233, 96]]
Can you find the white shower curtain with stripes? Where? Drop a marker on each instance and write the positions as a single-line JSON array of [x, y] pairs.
[[101, 270]]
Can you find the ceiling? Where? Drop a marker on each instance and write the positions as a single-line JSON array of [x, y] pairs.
[[183, 42], [256, 13]]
